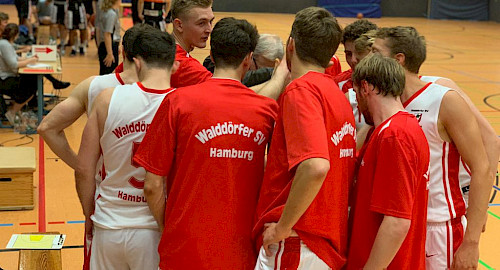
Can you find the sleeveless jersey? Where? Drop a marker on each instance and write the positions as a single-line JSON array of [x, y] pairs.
[[100, 83], [446, 201], [464, 170], [120, 199]]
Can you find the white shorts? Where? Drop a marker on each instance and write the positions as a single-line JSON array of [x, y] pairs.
[[135, 249], [290, 253], [442, 241]]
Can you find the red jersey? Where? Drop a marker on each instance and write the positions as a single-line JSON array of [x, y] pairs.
[[392, 180], [314, 121], [344, 80], [209, 140], [334, 69], [190, 71]]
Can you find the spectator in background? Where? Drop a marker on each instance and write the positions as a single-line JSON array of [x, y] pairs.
[[24, 13], [77, 20], [43, 12], [4, 20], [58, 18], [269, 49], [109, 23]]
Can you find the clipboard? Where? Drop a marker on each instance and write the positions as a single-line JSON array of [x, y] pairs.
[[36, 241]]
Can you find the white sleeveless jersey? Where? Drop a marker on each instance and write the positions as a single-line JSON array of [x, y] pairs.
[[464, 170], [120, 196], [446, 201], [97, 85], [100, 83]]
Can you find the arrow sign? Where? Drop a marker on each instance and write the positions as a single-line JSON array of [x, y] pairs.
[[43, 50]]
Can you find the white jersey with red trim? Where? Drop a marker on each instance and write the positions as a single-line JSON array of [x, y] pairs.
[[431, 79], [446, 201], [99, 83], [464, 170], [120, 199]]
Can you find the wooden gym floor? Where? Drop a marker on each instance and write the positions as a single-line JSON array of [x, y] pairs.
[[464, 51]]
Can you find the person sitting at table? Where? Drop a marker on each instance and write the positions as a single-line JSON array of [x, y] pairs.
[[20, 87]]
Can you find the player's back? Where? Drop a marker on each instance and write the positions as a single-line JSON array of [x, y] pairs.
[[120, 196], [222, 129], [98, 84]]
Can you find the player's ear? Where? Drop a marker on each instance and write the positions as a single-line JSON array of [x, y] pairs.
[[175, 66], [137, 64], [177, 24], [400, 57], [248, 60], [290, 46]]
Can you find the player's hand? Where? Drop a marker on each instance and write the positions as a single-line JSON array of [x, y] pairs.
[[109, 60], [466, 257], [89, 224], [141, 17], [484, 226], [273, 234]]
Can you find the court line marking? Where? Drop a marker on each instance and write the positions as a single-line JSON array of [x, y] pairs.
[[485, 265], [41, 186], [491, 213]]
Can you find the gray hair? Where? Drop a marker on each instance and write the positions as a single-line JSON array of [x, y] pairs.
[[270, 47]]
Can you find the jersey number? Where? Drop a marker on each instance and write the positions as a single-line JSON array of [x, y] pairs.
[[137, 183]]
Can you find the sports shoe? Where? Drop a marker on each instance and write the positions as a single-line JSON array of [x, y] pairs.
[[10, 115], [60, 84], [73, 52], [82, 50]]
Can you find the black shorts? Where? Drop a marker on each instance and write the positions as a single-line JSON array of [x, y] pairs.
[[19, 88], [76, 16], [60, 12], [23, 9], [88, 7]]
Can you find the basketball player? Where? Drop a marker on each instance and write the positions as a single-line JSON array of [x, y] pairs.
[[80, 101], [302, 210], [454, 138], [390, 199], [209, 141], [77, 20], [153, 12], [58, 18], [126, 234]]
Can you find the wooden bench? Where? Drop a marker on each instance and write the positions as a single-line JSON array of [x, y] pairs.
[[17, 165], [44, 259]]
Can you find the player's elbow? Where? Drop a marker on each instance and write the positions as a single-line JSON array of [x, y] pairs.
[[43, 129], [399, 227], [152, 185], [317, 168]]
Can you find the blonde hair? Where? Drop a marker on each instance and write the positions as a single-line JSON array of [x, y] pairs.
[[385, 73], [364, 42], [107, 4]]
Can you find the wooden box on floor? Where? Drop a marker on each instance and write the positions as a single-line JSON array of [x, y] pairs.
[[17, 165], [43, 259]]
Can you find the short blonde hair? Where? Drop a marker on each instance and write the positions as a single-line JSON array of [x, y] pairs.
[[181, 7], [364, 42], [385, 73], [107, 4]]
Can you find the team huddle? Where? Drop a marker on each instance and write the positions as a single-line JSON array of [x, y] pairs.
[[373, 168]]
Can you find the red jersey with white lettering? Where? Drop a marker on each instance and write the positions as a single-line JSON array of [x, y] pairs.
[[315, 121], [120, 199], [446, 201], [209, 140], [190, 71], [335, 68], [391, 180]]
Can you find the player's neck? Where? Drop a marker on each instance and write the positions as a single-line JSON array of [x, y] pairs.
[[300, 68], [228, 73], [129, 76], [179, 40], [412, 85], [385, 107], [150, 79]]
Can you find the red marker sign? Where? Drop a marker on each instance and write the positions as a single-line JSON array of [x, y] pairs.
[[43, 50]]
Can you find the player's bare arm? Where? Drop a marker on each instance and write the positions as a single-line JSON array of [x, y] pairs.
[[154, 191], [308, 180], [63, 115], [275, 86], [491, 141], [456, 123], [390, 237]]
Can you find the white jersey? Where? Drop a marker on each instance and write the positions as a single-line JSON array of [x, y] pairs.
[[446, 201], [464, 170], [358, 116], [120, 196], [99, 83]]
